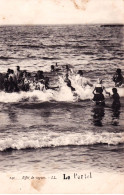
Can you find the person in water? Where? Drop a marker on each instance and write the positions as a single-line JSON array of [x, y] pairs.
[[68, 82], [99, 87], [115, 107], [39, 75], [116, 98], [99, 97], [6, 82], [118, 78], [12, 81], [68, 70], [17, 72], [98, 93], [1, 81], [55, 69], [47, 85], [26, 81], [81, 80], [52, 68]]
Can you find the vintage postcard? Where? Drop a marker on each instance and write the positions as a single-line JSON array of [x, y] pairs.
[[62, 96]]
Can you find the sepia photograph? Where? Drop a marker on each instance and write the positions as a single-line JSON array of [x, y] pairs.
[[62, 96]]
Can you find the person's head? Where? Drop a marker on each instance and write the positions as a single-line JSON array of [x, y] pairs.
[[18, 68], [118, 71], [99, 81], [80, 72], [52, 68], [114, 90], [9, 71], [40, 72], [12, 71], [67, 67]]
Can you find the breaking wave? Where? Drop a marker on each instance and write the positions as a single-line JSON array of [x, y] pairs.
[[63, 94], [35, 141]]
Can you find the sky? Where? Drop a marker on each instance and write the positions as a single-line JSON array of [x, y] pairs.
[[61, 11]]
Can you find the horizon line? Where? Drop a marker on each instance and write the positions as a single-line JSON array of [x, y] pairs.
[[113, 24]]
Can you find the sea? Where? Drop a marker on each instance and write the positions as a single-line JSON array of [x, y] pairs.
[[55, 130]]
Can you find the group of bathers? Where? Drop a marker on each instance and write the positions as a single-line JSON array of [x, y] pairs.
[[15, 81]]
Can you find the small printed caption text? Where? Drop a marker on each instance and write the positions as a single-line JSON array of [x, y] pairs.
[[63, 176]]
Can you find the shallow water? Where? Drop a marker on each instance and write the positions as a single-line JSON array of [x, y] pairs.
[[54, 130], [61, 135]]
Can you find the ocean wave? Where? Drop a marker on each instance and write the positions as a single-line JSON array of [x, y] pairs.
[[27, 46], [11, 58], [67, 46], [49, 58], [6, 58], [37, 96], [63, 94], [52, 139]]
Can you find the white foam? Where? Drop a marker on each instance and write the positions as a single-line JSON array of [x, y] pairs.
[[53, 139], [64, 93]]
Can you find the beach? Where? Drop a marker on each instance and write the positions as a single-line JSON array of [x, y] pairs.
[[53, 132]]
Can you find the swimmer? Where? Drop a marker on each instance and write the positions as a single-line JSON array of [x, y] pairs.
[[99, 87], [68, 70], [25, 81], [12, 74], [47, 83], [17, 70], [6, 83], [12, 81], [32, 85], [68, 82], [18, 73], [118, 78], [53, 69], [98, 93], [47, 86], [37, 86], [82, 81], [8, 71], [2, 81], [39, 76], [116, 98], [99, 98], [42, 86]]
